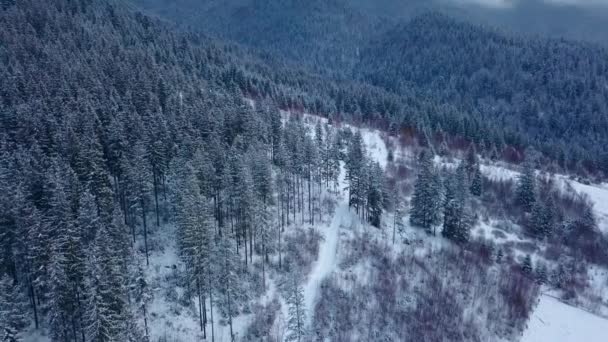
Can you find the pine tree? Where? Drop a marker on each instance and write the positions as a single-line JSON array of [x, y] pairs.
[[456, 216], [398, 224], [526, 184], [476, 182], [228, 280], [297, 315], [527, 264], [143, 296], [426, 199], [355, 162], [106, 307], [375, 194], [13, 310], [194, 237], [541, 273]]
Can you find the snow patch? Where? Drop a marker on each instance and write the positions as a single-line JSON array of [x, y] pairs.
[[555, 321]]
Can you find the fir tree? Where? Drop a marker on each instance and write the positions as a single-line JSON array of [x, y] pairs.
[[297, 316], [228, 280], [526, 266], [426, 199], [526, 184], [476, 182], [456, 216], [13, 310]]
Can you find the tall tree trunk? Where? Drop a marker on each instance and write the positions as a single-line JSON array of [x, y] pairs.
[[211, 304], [143, 216], [34, 306], [200, 304], [155, 179]]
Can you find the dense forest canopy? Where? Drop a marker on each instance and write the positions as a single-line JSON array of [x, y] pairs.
[[152, 174]]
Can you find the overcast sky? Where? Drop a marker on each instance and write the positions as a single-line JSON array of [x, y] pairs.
[[509, 3]]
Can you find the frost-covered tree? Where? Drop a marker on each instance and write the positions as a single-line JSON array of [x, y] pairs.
[[296, 322], [456, 213], [426, 200], [526, 185], [194, 238], [375, 194], [476, 182], [13, 310], [106, 309], [228, 280], [355, 166]]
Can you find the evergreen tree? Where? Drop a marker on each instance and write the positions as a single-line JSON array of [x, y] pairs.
[[194, 238], [527, 265], [476, 182], [526, 184], [426, 199], [456, 216], [297, 316], [228, 280], [355, 162], [13, 310], [375, 194], [106, 311]]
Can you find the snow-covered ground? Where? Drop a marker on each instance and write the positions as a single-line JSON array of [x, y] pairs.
[[555, 321]]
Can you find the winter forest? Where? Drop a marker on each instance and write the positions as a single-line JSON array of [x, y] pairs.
[[298, 171]]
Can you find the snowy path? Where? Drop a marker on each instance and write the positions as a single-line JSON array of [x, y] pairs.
[[326, 262], [554, 321]]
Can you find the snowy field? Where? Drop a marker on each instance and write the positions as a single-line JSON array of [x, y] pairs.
[[554, 321]]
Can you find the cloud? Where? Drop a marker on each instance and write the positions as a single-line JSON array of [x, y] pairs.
[[579, 2], [490, 3], [511, 3]]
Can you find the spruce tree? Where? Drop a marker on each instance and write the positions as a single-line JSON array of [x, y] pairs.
[[456, 216], [106, 310], [296, 322], [476, 182], [426, 199], [527, 266], [526, 185], [13, 310]]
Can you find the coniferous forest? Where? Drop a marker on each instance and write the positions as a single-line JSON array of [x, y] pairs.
[[294, 171]]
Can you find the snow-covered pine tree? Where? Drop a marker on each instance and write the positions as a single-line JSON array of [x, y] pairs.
[[375, 194], [106, 311], [456, 216], [426, 199], [137, 179], [476, 182], [398, 223], [246, 207], [355, 162], [296, 322], [142, 296], [13, 310], [526, 184], [226, 268], [194, 238], [527, 266]]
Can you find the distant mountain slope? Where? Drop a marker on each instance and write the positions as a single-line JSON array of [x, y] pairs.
[[323, 34], [554, 93], [546, 18]]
